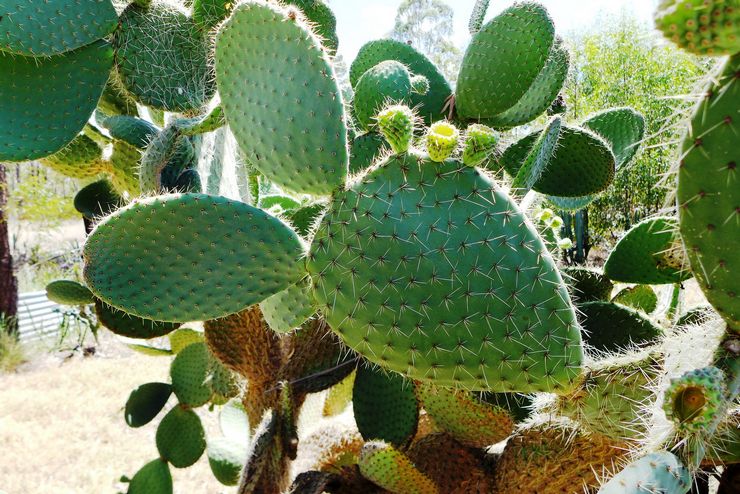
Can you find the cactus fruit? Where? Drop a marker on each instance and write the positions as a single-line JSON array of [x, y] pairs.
[[703, 27], [611, 327], [64, 90], [707, 194], [428, 106], [145, 402], [180, 437], [68, 292], [582, 163], [393, 471], [614, 395], [47, 28], [640, 297], [365, 150], [82, 158], [480, 144], [97, 200], [622, 128], [554, 458], [288, 309], [162, 58], [480, 341], [226, 458], [694, 400], [459, 413], [152, 478], [190, 226], [648, 254], [124, 324], [659, 472], [441, 141], [189, 374], [387, 82], [385, 406], [314, 159], [587, 284], [396, 123]]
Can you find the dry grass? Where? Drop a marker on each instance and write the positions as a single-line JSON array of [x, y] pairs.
[[62, 428], [11, 352]]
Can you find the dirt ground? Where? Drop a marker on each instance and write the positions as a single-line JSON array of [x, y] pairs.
[[62, 429]]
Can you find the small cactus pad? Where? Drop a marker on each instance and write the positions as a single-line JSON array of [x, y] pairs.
[[189, 374], [130, 326], [281, 99], [478, 15], [183, 337], [123, 168], [587, 284], [640, 297], [81, 158], [702, 27], [385, 406], [253, 256], [650, 253], [323, 21], [463, 416], [429, 105], [612, 327], [614, 396], [288, 309], [396, 123], [622, 128], [145, 402], [50, 28], [538, 158], [162, 57], [47, 101], [393, 471], [503, 60], [441, 140], [181, 438], [659, 472], [708, 194], [207, 14], [365, 150], [153, 478], [694, 400], [554, 459], [97, 199], [583, 163], [115, 100], [387, 82], [480, 143], [135, 131], [442, 235], [68, 292], [226, 458], [304, 219]]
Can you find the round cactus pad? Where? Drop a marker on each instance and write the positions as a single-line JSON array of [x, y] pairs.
[[622, 128], [47, 101], [428, 269], [190, 257], [145, 402], [163, 58], [152, 478], [612, 327], [365, 150], [52, 27], [281, 99], [81, 158], [503, 60], [430, 105], [181, 439]]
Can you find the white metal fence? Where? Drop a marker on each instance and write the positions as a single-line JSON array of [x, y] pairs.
[[38, 317]]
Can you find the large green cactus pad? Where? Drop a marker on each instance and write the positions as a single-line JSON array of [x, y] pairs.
[[163, 58], [181, 439], [659, 472], [709, 195], [82, 158], [280, 97], [190, 257], [430, 270], [504, 60], [650, 253], [612, 327], [53, 27], [152, 478], [622, 128], [47, 101], [430, 105]]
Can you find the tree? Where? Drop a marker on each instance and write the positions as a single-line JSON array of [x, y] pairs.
[[8, 282], [428, 26]]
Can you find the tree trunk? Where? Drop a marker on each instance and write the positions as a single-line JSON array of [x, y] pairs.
[[8, 282]]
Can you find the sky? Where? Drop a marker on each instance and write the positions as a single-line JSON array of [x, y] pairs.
[[360, 21]]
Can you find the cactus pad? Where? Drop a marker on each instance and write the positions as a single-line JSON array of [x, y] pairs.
[[68, 292], [189, 374], [650, 253], [708, 195], [393, 471], [385, 406], [47, 101], [622, 128], [152, 478], [294, 133], [702, 27], [42, 29], [181, 439], [131, 326], [640, 297], [587, 284], [612, 327], [365, 150], [288, 309], [226, 458], [538, 158], [135, 131], [694, 399], [414, 236], [145, 402], [659, 472], [81, 158], [126, 270], [323, 21], [387, 82], [207, 14], [583, 163], [97, 199], [430, 105]]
